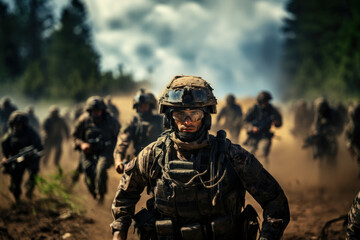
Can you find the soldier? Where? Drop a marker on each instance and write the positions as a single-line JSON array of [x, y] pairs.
[[20, 137], [352, 133], [95, 135], [327, 127], [112, 108], [6, 109], [198, 180], [259, 120], [56, 129], [302, 119], [33, 120], [353, 226], [233, 117], [144, 128]]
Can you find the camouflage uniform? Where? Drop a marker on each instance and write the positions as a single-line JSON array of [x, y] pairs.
[[233, 117], [143, 129], [352, 133], [198, 186], [6, 109], [101, 135], [12, 143], [263, 118], [353, 227], [55, 128]]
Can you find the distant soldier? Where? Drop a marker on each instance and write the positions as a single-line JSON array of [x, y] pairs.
[[144, 128], [327, 126], [33, 120], [303, 118], [342, 113], [112, 108], [95, 135], [353, 227], [259, 120], [232, 114], [352, 133], [7, 107], [21, 147], [56, 129]]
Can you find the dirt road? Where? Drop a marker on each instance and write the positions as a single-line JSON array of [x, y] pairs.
[[313, 199]]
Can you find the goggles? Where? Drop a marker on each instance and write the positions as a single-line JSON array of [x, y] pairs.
[[197, 95], [194, 115]]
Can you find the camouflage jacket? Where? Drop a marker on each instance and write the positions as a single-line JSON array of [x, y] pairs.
[[140, 131], [108, 128], [232, 115], [56, 128], [353, 228], [262, 117], [252, 177]]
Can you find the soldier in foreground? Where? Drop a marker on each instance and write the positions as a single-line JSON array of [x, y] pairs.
[[198, 180], [21, 148], [259, 119], [56, 129], [95, 136], [233, 117], [144, 128], [352, 133]]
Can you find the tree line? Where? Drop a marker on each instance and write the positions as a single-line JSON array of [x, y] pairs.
[[44, 58], [322, 49]]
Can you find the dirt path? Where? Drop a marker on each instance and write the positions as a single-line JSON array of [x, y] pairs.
[[313, 201]]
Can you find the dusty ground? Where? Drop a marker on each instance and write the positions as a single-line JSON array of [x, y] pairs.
[[313, 200]]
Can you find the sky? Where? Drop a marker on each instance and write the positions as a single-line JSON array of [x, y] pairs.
[[233, 44]]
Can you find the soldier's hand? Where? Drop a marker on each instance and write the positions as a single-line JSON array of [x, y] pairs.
[[119, 235], [85, 147], [3, 160], [119, 167], [255, 129]]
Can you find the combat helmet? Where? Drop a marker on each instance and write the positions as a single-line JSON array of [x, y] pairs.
[[188, 92], [263, 96], [322, 105], [18, 117], [143, 96], [95, 102], [230, 99]]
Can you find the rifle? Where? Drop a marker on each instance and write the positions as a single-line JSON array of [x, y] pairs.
[[23, 154]]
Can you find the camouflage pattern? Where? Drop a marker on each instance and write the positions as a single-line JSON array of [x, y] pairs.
[[141, 131], [232, 113], [353, 227], [263, 118], [55, 129], [11, 144], [7, 107], [95, 164], [145, 171]]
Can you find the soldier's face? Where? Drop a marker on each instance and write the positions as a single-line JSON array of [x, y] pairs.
[[143, 108], [189, 120]]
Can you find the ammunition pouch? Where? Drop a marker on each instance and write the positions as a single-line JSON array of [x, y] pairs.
[[165, 229], [248, 223]]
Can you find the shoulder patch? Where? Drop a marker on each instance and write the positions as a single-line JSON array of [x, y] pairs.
[[130, 165]]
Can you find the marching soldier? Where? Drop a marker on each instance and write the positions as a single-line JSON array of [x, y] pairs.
[[198, 180]]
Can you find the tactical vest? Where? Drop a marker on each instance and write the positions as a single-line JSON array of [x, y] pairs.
[[196, 199]]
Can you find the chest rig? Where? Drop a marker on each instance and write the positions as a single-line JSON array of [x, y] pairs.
[[200, 188]]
